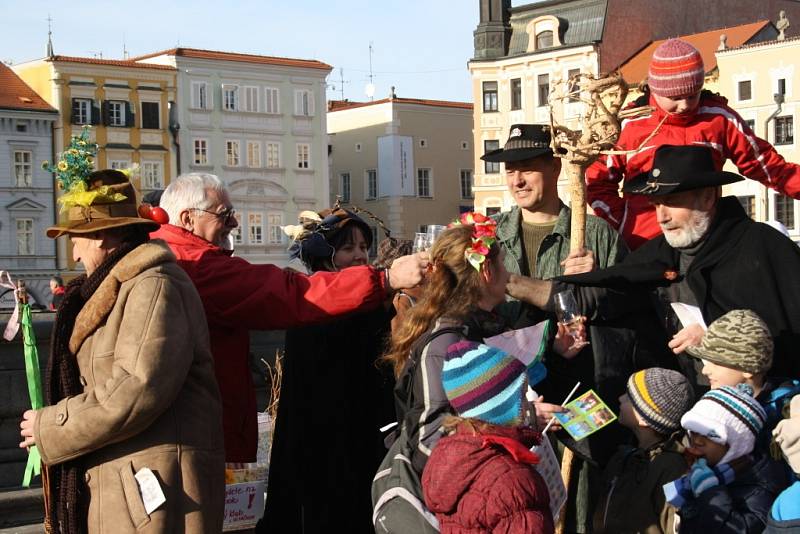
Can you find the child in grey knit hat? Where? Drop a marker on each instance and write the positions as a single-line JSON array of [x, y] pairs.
[[633, 500]]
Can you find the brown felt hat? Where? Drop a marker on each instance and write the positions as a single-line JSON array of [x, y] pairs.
[[104, 215]]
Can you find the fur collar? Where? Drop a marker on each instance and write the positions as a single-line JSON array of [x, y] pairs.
[[97, 308]]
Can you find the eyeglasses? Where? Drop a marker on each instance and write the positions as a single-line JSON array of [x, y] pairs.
[[226, 216]]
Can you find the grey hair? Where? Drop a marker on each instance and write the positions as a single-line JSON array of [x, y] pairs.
[[189, 191]]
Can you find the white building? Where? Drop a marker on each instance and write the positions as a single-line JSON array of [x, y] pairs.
[[257, 122], [26, 190]]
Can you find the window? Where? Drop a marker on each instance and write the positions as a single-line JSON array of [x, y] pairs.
[[304, 102], [745, 90], [303, 156], [81, 111], [151, 175], [250, 99], [238, 232], [253, 154], [232, 153], [150, 115], [751, 123], [543, 89], [201, 152], [544, 39], [255, 228], [748, 203], [273, 155], [784, 130], [423, 143], [466, 184], [489, 96], [116, 113], [782, 86], [275, 221], [424, 183], [200, 96], [119, 164], [491, 167], [271, 100], [358, 147], [574, 87], [492, 210], [230, 97], [372, 184], [464, 145], [516, 93], [784, 210], [23, 170], [22, 126], [25, 245], [344, 186]]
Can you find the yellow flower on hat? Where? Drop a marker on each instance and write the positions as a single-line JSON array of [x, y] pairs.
[[62, 165]]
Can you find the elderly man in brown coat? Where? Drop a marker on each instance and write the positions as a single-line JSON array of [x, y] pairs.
[[132, 436]]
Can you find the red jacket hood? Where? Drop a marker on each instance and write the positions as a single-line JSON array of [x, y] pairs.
[[467, 455], [185, 244]]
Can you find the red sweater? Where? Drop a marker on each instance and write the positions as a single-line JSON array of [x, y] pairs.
[[239, 296], [713, 124], [485, 484]]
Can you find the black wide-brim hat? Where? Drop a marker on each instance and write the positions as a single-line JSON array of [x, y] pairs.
[[525, 141], [677, 169]]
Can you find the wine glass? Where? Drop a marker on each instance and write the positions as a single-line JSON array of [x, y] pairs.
[[433, 232], [568, 313], [421, 243]]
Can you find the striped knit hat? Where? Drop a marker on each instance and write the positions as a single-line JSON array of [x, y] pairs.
[[660, 397], [676, 69], [484, 383], [728, 416]]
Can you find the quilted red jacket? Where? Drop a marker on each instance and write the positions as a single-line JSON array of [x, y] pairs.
[[713, 124], [485, 483], [238, 297]]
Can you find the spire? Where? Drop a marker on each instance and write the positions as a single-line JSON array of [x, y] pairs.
[[49, 37]]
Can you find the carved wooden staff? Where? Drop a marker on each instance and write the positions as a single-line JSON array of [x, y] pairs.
[[599, 130]]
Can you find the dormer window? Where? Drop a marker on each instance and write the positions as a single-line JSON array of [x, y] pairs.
[[544, 39]]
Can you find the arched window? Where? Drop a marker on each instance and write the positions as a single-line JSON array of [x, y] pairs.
[[544, 39]]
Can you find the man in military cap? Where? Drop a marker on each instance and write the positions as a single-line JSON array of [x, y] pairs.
[[711, 255]]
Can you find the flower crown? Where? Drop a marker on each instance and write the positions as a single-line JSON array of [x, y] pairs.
[[72, 174], [484, 235]]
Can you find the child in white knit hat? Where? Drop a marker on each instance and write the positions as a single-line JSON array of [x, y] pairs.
[[728, 489]]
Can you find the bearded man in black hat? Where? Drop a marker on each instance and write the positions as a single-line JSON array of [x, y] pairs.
[[535, 234], [711, 256]]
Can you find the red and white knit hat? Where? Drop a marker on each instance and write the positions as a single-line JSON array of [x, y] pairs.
[[676, 69]]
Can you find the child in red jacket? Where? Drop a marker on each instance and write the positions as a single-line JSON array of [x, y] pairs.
[[480, 478], [682, 114]]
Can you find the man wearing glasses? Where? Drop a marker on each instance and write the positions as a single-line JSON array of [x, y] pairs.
[[239, 296]]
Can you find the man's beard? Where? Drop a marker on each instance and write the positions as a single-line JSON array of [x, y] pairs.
[[695, 229]]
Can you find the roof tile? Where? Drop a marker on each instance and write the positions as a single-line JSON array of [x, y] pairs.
[[16, 94], [235, 56]]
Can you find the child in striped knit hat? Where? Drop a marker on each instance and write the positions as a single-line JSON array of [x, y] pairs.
[[480, 478], [677, 111], [728, 489], [632, 499]]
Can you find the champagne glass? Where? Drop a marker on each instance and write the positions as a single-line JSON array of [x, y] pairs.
[[433, 232], [421, 243], [568, 313]]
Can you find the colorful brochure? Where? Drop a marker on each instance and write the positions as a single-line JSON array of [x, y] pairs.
[[585, 415]]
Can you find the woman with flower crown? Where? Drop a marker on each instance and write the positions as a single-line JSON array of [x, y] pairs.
[[467, 281]]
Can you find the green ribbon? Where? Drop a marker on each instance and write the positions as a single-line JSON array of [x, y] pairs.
[[34, 465]]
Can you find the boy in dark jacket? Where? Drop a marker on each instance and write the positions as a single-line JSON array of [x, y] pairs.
[[480, 478], [633, 501], [728, 489], [737, 348]]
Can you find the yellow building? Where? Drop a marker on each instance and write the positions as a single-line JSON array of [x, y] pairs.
[[407, 160], [127, 105], [755, 78]]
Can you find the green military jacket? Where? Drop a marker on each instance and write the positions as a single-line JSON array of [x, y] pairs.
[[601, 239]]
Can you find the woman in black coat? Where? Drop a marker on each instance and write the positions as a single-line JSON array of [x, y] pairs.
[[333, 400]]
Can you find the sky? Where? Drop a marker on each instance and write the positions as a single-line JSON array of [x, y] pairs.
[[419, 46]]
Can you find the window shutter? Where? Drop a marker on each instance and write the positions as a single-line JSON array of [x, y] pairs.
[[130, 120], [298, 102], [96, 115], [310, 96], [74, 111], [105, 112]]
